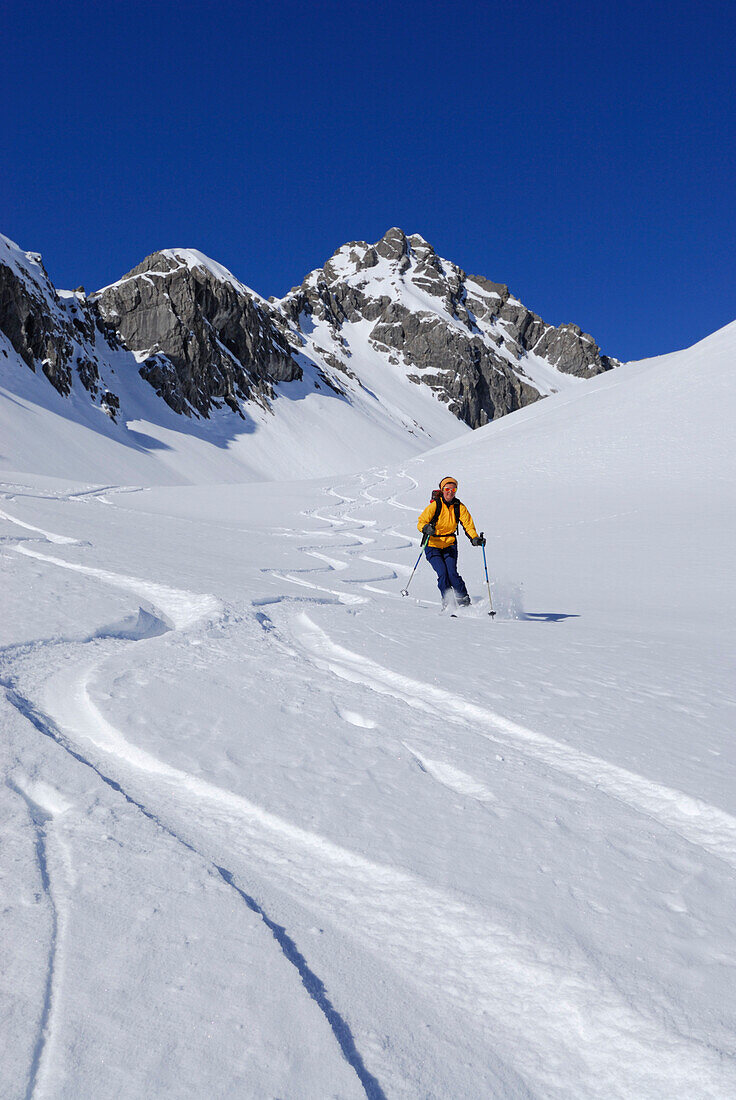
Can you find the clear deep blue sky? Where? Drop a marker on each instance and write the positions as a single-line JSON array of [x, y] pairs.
[[582, 153]]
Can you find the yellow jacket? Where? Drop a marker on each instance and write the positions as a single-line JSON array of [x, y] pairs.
[[446, 525]]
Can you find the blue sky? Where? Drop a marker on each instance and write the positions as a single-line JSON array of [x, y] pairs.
[[582, 154]]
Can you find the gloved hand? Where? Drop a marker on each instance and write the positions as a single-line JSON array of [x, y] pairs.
[[478, 540], [428, 530]]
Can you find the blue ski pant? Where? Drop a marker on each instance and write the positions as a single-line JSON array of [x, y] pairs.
[[444, 562]]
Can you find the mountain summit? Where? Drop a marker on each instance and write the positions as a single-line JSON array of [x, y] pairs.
[[470, 340], [205, 336]]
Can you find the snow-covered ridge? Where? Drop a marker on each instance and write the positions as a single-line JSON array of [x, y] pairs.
[[28, 270], [193, 259], [20, 262]]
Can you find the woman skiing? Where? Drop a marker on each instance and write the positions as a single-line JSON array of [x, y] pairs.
[[439, 523]]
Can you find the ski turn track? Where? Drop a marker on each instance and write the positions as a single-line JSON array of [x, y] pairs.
[[71, 715], [314, 987], [449, 947], [179, 609], [696, 821]]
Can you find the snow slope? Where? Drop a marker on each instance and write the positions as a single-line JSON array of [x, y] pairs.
[[272, 830], [310, 434]]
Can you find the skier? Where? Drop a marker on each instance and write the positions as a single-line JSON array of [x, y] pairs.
[[438, 523]]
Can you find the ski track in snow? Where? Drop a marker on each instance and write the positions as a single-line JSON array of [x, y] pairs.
[[335, 523], [179, 610], [48, 535], [696, 821], [41, 812], [430, 937], [314, 987]]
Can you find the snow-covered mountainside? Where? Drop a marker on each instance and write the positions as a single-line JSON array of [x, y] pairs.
[[388, 348], [270, 829]]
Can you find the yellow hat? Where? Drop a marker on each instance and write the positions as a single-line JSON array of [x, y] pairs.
[[448, 481]]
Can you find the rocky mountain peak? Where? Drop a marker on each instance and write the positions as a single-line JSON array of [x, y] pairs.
[[393, 245], [394, 256], [478, 347], [203, 336]]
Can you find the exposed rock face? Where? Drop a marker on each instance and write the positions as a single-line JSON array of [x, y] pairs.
[[391, 311], [207, 336], [61, 335], [467, 338]]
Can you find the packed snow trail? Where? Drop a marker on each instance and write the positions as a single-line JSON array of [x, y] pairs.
[[48, 535], [311, 982]]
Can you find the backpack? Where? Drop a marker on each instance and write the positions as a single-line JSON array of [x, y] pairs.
[[438, 500]]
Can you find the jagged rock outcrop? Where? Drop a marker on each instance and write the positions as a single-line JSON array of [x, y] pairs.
[[206, 337], [61, 335]]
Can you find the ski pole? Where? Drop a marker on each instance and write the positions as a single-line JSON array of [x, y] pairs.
[[405, 591], [485, 566]]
